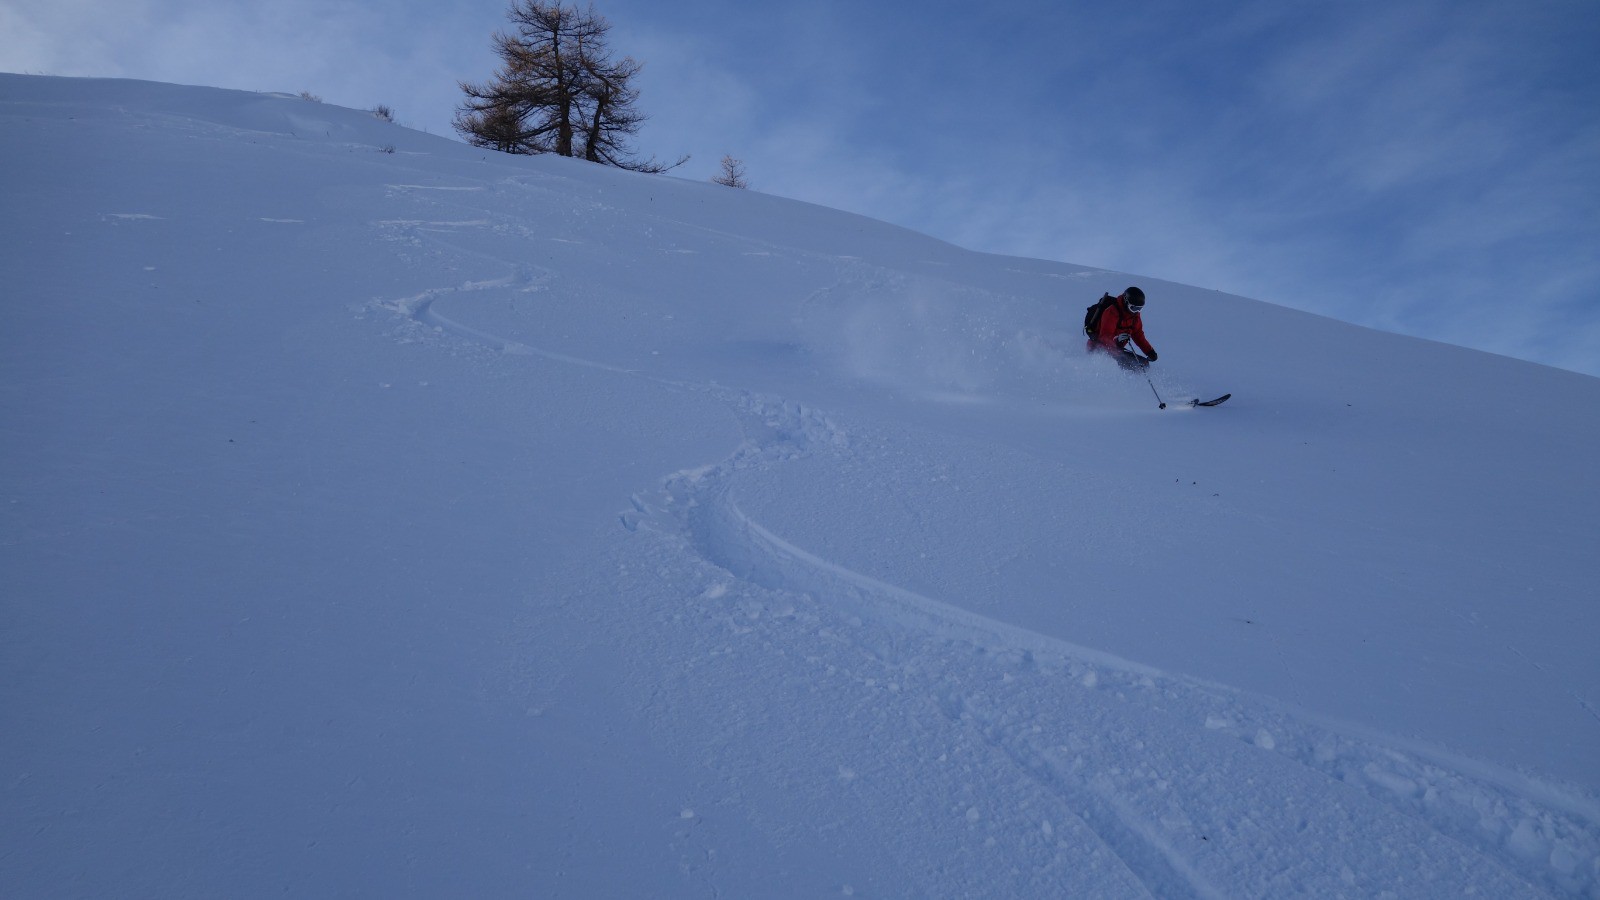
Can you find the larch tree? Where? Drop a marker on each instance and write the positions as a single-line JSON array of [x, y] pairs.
[[557, 90], [732, 173]]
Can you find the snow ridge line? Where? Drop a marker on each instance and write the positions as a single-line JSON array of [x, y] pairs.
[[750, 551], [1509, 821]]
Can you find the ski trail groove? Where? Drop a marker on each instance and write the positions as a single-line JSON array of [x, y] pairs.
[[1503, 822], [1509, 826], [724, 536], [1154, 862], [419, 308]]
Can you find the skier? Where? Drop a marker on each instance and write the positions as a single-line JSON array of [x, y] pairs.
[[1119, 324]]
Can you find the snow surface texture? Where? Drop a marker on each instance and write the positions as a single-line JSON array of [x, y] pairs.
[[387, 518]]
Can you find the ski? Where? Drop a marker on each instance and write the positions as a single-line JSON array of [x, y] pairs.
[[1198, 402]]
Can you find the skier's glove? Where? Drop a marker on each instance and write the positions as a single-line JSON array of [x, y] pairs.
[[1151, 357]]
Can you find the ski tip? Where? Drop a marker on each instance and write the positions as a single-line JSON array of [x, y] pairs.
[[1209, 402]]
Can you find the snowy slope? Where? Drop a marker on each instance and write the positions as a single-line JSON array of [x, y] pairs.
[[386, 518]]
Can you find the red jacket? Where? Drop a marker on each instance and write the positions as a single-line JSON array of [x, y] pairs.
[[1119, 322]]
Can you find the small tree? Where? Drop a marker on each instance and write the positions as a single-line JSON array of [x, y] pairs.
[[557, 90], [732, 173]]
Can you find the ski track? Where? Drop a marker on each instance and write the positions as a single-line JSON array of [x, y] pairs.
[[1538, 834], [1156, 736]]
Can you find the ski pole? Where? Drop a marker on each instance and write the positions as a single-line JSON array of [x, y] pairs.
[[1154, 391]]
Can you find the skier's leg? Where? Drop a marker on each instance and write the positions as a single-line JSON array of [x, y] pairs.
[[1131, 361]]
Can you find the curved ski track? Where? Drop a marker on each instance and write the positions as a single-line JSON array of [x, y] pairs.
[[1177, 778], [1499, 825]]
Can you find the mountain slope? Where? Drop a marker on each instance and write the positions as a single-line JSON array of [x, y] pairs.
[[387, 517]]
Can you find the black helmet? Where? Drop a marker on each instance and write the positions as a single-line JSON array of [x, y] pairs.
[[1135, 298]]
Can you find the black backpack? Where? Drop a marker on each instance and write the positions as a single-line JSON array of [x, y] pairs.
[[1091, 316]]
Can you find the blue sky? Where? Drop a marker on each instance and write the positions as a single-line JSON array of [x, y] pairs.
[[1430, 167]]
